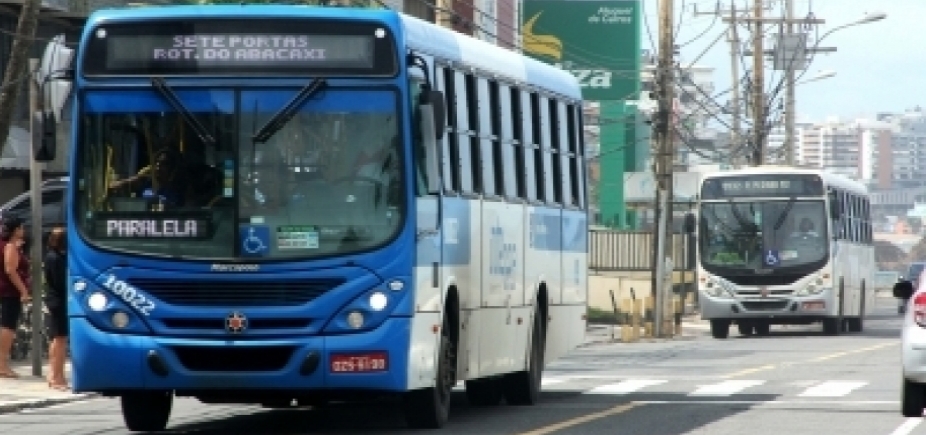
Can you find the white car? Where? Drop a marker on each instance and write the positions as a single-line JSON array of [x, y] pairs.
[[913, 347]]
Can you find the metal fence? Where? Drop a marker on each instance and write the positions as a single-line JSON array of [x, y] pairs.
[[610, 250]]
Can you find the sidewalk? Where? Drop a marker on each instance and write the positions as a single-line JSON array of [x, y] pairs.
[[692, 326], [32, 392]]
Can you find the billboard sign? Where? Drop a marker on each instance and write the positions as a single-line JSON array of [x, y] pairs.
[[597, 40]]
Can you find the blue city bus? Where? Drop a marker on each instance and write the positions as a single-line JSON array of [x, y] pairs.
[[289, 205]]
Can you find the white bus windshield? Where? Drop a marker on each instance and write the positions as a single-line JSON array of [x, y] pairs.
[[768, 235]]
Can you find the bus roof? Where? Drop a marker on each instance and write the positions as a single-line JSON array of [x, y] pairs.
[[419, 35], [829, 178], [454, 46]]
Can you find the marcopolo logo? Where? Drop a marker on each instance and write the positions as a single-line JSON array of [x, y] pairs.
[[216, 267]]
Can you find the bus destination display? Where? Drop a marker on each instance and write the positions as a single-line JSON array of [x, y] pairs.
[[236, 47], [772, 186], [114, 225]]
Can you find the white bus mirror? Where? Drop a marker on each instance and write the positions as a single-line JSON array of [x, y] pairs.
[[54, 76]]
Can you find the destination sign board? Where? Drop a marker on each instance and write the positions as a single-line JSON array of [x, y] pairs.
[[227, 47], [151, 225], [784, 185]]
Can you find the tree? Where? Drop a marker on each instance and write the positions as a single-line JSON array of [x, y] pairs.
[[16, 72]]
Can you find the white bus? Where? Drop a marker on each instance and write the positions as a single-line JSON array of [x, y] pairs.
[[779, 245]]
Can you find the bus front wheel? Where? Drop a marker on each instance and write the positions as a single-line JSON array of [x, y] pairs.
[[720, 328], [429, 408], [147, 411]]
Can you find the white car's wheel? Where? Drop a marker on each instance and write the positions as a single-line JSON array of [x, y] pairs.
[[912, 399]]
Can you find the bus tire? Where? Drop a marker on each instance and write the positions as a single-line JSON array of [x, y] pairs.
[[484, 392], [720, 328], [523, 388], [146, 411], [745, 327], [831, 325], [762, 328], [912, 398], [429, 408]]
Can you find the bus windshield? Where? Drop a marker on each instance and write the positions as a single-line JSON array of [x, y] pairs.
[[189, 180], [768, 235]]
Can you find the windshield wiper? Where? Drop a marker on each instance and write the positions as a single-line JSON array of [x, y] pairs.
[[784, 213], [169, 95], [279, 119]]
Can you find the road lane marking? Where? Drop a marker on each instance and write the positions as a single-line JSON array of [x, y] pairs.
[[907, 426], [813, 360], [581, 420], [768, 402], [852, 352], [625, 387], [752, 370], [725, 388], [832, 389]]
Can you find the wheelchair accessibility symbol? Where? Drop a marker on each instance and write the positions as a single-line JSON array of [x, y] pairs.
[[255, 241], [771, 258]]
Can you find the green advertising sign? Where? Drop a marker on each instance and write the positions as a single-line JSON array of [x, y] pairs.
[[597, 40]]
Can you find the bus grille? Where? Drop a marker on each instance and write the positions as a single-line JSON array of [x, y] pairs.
[[767, 280], [239, 294], [765, 306], [237, 359]]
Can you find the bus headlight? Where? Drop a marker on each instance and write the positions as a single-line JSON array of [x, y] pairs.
[[97, 301], [814, 287], [355, 319], [378, 301], [120, 319], [718, 289]]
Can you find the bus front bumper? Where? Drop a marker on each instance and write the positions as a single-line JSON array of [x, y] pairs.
[[110, 363], [799, 309]]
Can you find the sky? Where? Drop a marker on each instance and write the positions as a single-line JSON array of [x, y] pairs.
[[880, 66]]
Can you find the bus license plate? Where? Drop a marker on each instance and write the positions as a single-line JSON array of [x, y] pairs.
[[359, 362], [813, 305]]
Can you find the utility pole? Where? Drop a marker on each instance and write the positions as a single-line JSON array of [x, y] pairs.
[[735, 135], [665, 154], [758, 87], [789, 89], [35, 250]]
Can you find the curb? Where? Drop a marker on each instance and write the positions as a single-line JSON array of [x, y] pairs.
[[20, 405]]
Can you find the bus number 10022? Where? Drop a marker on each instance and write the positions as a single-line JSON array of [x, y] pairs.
[[359, 362]]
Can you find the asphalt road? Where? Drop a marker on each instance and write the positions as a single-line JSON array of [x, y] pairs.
[[795, 381]]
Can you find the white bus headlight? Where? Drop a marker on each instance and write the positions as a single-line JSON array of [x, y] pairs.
[[97, 301], [378, 301]]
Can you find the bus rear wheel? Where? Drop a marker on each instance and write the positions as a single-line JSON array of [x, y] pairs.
[[429, 408], [523, 388], [147, 411]]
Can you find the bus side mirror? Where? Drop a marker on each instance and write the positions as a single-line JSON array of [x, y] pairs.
[[44, 139], [690, 223], [431, 106], [903, 290]]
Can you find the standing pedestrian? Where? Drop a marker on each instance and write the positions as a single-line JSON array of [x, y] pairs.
[[14, 288], [55, 269]]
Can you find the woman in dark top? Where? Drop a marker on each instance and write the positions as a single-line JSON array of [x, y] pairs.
[[56, 265], [14, 288]]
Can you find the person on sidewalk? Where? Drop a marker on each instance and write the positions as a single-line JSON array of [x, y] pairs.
[[55, 269], [14, 288]]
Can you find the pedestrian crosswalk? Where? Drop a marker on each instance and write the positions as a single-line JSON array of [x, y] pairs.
[[716, 388]]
